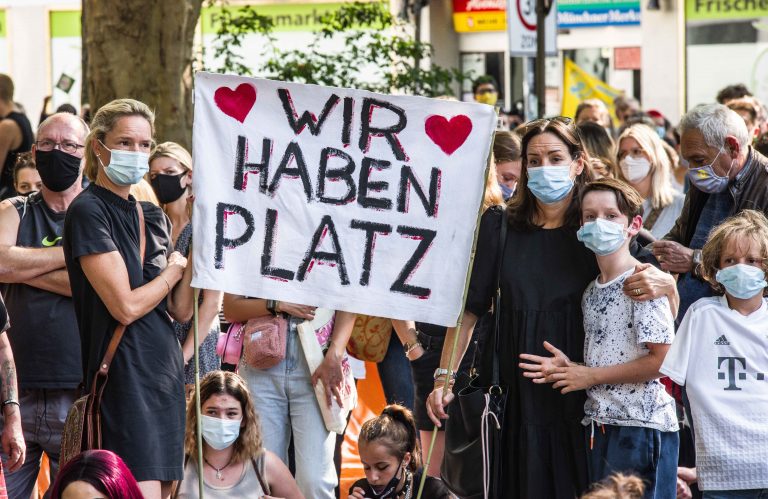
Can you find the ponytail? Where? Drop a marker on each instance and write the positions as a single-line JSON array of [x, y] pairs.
[[396, 429]]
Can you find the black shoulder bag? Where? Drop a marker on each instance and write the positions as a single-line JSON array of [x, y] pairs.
[[474, 426]]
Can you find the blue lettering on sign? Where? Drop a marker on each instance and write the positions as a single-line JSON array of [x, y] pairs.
[[588, 17]]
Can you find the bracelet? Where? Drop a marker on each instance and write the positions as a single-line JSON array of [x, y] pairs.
[[166, 283], [10, 402], [408, 347]]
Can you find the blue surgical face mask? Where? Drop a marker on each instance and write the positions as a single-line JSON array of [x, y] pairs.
[[742, 281], [126, 167], [549, 183], [219, 433], [507, 192], [602, 236], [661, 131], [706, 180]]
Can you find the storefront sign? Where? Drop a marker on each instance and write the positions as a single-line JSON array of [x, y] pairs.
[[588, 13], [479, 15], [626, 58], [725, 9]]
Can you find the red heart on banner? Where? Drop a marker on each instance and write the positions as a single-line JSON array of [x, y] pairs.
[[449, 135], [236, 103]]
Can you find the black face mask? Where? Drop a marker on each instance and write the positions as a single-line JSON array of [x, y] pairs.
[[168, 187], [58, 170], [389, 490]]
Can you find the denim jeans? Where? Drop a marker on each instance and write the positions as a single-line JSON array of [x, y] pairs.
[[395, 375], [736, 494], [286, 403], [43, 413], [645, 452]]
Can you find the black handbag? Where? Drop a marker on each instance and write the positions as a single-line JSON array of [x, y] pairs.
[[471, 465]]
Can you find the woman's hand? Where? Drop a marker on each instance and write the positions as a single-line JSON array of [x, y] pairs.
[[357, 493], [438, 401], [301, 311], [541, 368], [332, 376], [648, 283], [176, 265]]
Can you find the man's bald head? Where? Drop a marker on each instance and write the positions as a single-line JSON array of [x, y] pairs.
[[72, 121]]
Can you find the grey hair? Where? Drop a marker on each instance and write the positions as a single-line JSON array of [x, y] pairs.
[[57, 116], [715, 122]]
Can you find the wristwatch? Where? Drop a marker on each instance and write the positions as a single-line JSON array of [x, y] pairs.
[[272, 307], [696, 260], [440, 372]]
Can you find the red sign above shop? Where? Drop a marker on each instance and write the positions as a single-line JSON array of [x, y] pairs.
[[479, 15], [626, 58]]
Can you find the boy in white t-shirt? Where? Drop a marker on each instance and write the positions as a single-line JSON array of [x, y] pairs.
[[631, 424], [720, 355]]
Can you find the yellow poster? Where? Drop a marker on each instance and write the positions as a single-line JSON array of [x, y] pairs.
[[579, 85]]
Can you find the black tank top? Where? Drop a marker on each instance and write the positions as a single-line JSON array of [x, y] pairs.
[[43, 334], [27, 138]]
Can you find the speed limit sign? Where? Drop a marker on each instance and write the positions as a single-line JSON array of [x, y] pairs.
[[521, 26]]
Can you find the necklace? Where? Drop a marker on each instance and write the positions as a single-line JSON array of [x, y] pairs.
[[219, 475]]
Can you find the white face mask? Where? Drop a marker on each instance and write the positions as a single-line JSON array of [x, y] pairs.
[[220, 433], [635, 169]]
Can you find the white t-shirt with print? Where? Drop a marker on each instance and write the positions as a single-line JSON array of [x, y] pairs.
[[721, 357], [616, 330]]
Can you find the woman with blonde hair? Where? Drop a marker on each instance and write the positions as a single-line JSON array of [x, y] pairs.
[[644, 163], [170, 174], [235, 462], [116, 285]]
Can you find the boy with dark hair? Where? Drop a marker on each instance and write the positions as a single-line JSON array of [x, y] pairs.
[[625, 344], [15, 136]]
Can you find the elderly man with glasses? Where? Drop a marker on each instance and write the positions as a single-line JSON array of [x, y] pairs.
[[35, 284]]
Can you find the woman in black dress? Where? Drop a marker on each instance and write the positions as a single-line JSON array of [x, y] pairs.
[[545, 271], [143, 403]]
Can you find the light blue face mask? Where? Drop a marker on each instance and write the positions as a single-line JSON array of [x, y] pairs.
[[507, 192], [661, 131], [742, 281], [549, 183], [706, 180], [126, 167], [602, 236]]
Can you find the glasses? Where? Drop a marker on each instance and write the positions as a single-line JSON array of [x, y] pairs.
[[545, 121], [67, 146]]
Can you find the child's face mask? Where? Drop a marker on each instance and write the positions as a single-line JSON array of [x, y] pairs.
[[742, 281], [602, 236]]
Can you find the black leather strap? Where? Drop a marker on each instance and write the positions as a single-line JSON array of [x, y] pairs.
[[497, 301]]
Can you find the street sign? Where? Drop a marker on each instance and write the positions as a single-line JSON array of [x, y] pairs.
[[521, 27]]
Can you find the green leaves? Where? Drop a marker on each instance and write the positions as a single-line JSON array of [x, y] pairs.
[[379, 53]]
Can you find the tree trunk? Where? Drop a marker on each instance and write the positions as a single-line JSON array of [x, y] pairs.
[[142, 49]]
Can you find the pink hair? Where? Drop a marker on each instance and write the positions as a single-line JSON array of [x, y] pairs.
[[102, 469]]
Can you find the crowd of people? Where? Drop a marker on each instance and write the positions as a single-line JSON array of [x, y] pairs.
[[631, 274]]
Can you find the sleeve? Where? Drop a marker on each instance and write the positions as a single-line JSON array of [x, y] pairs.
[[482, 280], [677, 233], [653, 321], [89, 229], [679, 355]]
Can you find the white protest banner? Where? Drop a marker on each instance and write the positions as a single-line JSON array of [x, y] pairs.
[[337, 198]]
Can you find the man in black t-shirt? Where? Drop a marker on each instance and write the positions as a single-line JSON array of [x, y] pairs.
[[15, 136], [35, 284]]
